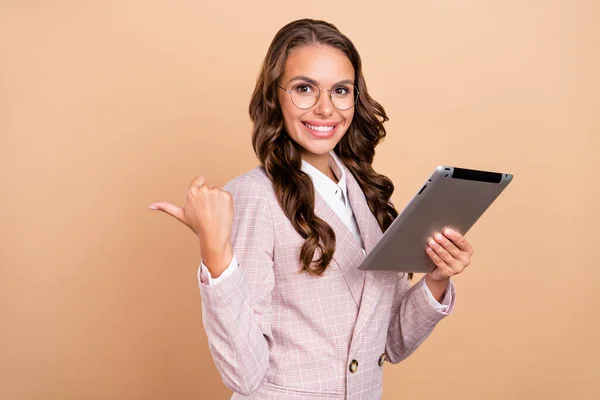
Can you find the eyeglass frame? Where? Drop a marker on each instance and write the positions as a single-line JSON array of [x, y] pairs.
[[319, 96]]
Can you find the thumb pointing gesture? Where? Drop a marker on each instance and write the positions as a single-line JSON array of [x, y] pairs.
[[208, 212]]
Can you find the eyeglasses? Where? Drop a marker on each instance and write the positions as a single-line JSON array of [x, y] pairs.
[[306, 95]]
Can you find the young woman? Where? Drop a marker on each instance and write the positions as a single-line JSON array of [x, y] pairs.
[[287, 313]]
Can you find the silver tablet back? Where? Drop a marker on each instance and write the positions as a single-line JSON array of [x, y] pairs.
[[451, 198]]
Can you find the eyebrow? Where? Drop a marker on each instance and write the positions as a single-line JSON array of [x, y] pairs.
[[312, 81]]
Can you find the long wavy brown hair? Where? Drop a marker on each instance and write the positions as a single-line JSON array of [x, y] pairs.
[[280, 156]]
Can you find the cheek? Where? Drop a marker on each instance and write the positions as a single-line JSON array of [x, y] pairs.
[[290, 115], [283, 104], [347, 116]]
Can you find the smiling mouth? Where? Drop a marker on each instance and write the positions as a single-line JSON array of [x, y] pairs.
[[320, 128]]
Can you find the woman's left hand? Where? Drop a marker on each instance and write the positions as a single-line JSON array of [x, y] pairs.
[[451, 254]]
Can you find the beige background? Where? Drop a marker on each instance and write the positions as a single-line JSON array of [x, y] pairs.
[[106, 107]]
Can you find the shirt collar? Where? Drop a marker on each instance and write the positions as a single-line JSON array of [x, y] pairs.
[[322, 183]]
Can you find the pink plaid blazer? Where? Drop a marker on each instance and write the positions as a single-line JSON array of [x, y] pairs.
[[277, 333]]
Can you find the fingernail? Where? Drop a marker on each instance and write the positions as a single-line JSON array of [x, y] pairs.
[[448, 232], [153, 207]]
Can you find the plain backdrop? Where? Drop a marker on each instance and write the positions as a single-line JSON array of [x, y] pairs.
[[107, 106]]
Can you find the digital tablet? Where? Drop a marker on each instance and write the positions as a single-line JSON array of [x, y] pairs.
[[452, 198]]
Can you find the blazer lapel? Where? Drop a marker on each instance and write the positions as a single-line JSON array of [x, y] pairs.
[[348, 254], [370, 233], [367, 224], [366, 287]]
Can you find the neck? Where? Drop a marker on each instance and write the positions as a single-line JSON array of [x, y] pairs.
[[320, 162]]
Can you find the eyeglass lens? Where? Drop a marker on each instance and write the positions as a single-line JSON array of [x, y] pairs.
[[305, 95]]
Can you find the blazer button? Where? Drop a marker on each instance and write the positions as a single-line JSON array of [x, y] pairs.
[[353, 366], [381, 359]]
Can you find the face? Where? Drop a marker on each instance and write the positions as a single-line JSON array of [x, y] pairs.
[[317, 129]]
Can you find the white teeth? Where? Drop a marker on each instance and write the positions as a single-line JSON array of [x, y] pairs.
[[320, 128]]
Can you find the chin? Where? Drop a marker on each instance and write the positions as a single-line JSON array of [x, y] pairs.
[[319, 149], [319, 146]]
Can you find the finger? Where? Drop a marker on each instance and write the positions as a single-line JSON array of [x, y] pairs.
[[195, 184], [192, 189], [458, 240], [442, 253], [448, 246], [437, 261], [206, 189], [434, 257], [170, 209], [197, 181]]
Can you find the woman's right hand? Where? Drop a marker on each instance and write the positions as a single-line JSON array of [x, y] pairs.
[[208, 212]]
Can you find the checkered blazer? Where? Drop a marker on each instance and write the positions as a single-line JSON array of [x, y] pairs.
[[277, 333]]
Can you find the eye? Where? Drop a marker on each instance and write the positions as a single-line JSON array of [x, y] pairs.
[[304, 88], [341, 91]]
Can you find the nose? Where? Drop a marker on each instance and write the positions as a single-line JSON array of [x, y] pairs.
[[324, 105]]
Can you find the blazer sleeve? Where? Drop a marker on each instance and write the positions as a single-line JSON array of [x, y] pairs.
[[236, 313], [412, 320]]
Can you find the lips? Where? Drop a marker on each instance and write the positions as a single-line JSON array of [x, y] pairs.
[[321, 123], [321, 129]]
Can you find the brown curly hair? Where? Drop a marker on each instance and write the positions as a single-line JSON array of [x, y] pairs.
[[280, 156]]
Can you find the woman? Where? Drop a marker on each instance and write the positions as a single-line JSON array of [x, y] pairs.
[[287, 313]]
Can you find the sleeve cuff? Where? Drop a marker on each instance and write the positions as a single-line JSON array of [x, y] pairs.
[[204, 277], [446, 298]]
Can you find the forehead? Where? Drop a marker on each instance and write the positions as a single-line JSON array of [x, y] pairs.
[[324, 64]]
